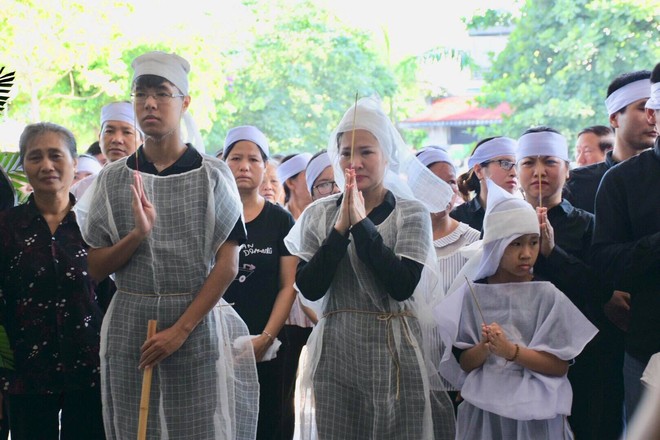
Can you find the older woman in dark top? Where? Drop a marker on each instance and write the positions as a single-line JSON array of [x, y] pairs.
[[47, 300]]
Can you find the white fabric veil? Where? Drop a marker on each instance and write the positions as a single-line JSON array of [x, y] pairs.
[[405, 176], [407, 231]]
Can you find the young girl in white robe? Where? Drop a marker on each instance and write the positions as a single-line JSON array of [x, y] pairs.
[[514, 336]]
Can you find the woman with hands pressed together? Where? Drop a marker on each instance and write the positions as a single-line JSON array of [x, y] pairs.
[[365, 259], [564, 260], [515, 384]]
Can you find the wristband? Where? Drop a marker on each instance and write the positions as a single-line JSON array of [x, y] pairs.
[[515, 355], [265, 333]]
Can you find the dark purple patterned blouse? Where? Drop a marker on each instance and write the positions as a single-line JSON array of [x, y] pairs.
[[47, 304]]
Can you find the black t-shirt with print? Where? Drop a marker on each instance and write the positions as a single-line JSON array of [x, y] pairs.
[[255, 288]]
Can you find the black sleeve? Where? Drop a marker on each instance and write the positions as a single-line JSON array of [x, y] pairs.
[[238, 234], [286, 224], [398, 276], [457, 352], [314, 277], [624, 260], [105, 290], [569, 274]]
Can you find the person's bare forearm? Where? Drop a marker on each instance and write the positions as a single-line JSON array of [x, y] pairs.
[[105, 261]]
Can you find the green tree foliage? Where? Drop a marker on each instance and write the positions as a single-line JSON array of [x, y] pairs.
[[299, 76], [289, 68], [65, 56], [562, 55]]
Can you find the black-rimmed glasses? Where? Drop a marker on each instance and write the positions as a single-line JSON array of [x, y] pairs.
[[325, 188], [503, 163]]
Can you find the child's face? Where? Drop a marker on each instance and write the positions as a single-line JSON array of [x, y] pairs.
[[519, 258]]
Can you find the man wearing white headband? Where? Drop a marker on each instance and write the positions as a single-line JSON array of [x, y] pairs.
[[320, 176], [625, 248], [493, 158], [167, 222], [118, 138], [543, 166], [626, 97]]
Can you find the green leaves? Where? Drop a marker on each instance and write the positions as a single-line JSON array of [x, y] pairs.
[[561, 57], [10, 163]]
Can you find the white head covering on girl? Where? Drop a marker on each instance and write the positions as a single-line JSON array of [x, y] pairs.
[[533, 314]]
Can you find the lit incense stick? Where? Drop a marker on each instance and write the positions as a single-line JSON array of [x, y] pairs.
[[475, 300], [353, 134], [538, 172]]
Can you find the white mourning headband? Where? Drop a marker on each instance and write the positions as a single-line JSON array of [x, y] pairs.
[[544, 143], [626, 95], [293, 166], [315, 167]]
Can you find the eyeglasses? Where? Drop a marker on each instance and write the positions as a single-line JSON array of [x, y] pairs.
[[506, 165], [160, 97], [325, 188]]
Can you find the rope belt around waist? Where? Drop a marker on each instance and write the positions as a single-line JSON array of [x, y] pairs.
[[155, 295], [165, 295], [386, 317]]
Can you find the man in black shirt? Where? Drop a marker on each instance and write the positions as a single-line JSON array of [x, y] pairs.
[[626, 248], [626, 96]]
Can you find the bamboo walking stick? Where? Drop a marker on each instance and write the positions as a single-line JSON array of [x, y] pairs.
[[146, 389]]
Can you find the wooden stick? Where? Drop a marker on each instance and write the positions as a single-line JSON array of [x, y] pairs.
[[146, 389], [353, 134], [475, 300]]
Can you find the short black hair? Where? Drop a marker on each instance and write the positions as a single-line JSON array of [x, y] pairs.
[[151, 82], [94, 149], [606, 141], [540, 129], [655, 75], [598, 130], [625, 79]]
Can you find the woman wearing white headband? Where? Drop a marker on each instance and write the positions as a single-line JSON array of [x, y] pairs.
[[167, 222], [320, 176], [367, 267], [566, 231], [291, 173], [262, 293], [492, 158]]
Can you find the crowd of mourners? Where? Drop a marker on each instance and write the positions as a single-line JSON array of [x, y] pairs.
[[367, 291]]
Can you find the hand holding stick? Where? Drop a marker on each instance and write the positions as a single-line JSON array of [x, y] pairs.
[[146, 389]]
